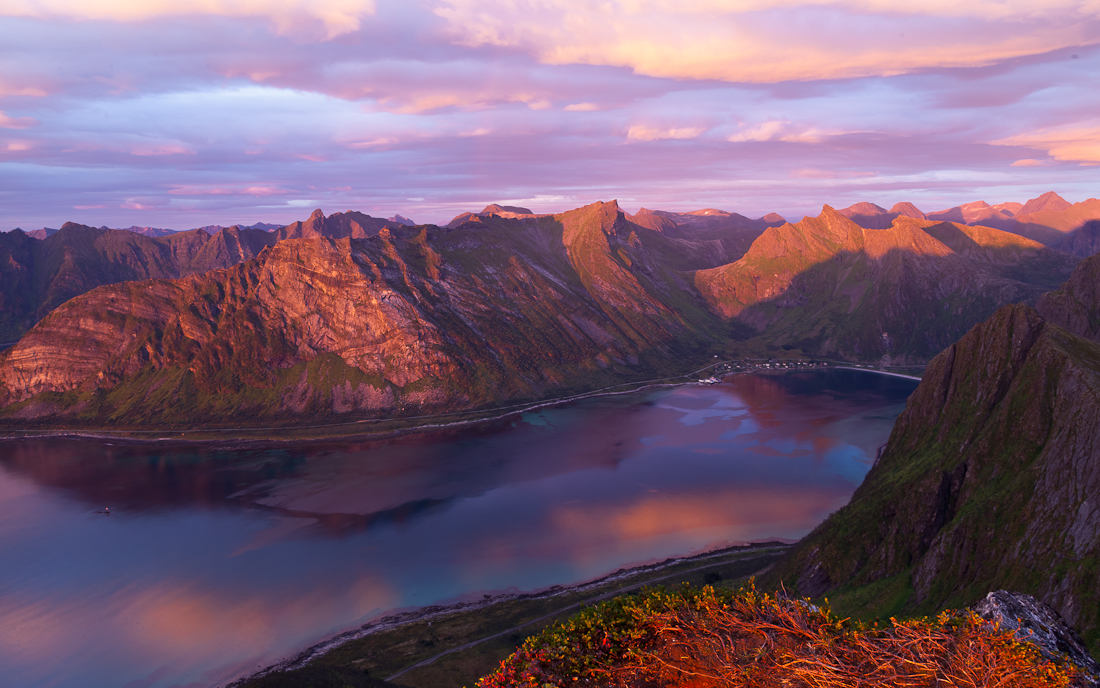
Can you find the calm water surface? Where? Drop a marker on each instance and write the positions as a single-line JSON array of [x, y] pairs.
[[214, 562]]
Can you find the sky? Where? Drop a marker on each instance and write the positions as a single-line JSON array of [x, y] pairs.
[[184, 113]]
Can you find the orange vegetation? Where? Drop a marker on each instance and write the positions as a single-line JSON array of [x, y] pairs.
[[702, 638]]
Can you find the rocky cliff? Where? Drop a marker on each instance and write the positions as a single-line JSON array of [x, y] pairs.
[[408, 318], [828, 286], [989, 480]]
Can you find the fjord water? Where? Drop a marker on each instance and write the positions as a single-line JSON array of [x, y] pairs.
[[214, 561]]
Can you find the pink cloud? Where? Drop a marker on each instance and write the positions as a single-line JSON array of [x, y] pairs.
[[766, 42], [227, 191], [7, 122], [162, 149], [329, 18], [646, 133]]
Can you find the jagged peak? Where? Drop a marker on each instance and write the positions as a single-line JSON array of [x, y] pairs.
[[1049, 202]]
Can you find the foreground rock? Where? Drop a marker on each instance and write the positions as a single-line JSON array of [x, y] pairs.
[[1032, 621]]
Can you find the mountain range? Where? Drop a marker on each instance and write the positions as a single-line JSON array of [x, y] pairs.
[[1048, 219], [350, 314], [406, 317]]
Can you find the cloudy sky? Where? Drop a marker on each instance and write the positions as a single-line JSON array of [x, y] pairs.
[[181, 113]]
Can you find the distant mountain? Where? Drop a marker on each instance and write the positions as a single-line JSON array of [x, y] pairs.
[[402, 220], [705, 238], [36, 276], [989, 479], [1049, 202], [352, 224], [828, 286], [403, 319], [149, 231], [505, 211], [1046, 219], [869, 215], [40, 233], [265, 226]]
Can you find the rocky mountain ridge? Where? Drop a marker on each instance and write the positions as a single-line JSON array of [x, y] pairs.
[[409, 317], [1048, 219]]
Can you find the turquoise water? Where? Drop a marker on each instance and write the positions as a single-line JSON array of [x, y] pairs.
[[215, 561]]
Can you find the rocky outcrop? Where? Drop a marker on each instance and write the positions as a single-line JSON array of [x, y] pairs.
[[828, 286], [1034, 622], [989, 480], [409, 318]]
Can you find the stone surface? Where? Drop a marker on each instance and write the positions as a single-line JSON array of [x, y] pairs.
[[1032, 621]]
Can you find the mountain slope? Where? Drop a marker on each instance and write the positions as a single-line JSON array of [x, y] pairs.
[[828, 286], [422, 318], [989, 480]]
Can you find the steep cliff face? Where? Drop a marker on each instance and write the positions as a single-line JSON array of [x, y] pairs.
[[406, 318], [989, 480], [828, 286]]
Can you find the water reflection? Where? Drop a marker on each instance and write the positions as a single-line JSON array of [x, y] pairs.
[[215, 560]]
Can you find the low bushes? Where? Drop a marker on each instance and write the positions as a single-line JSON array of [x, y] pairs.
[[701, 637]]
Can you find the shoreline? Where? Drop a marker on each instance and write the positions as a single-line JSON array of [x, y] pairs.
[[501, 413], [880, 372], [401, 618]]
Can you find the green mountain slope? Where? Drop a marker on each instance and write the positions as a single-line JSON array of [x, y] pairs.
[[989, 481]]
